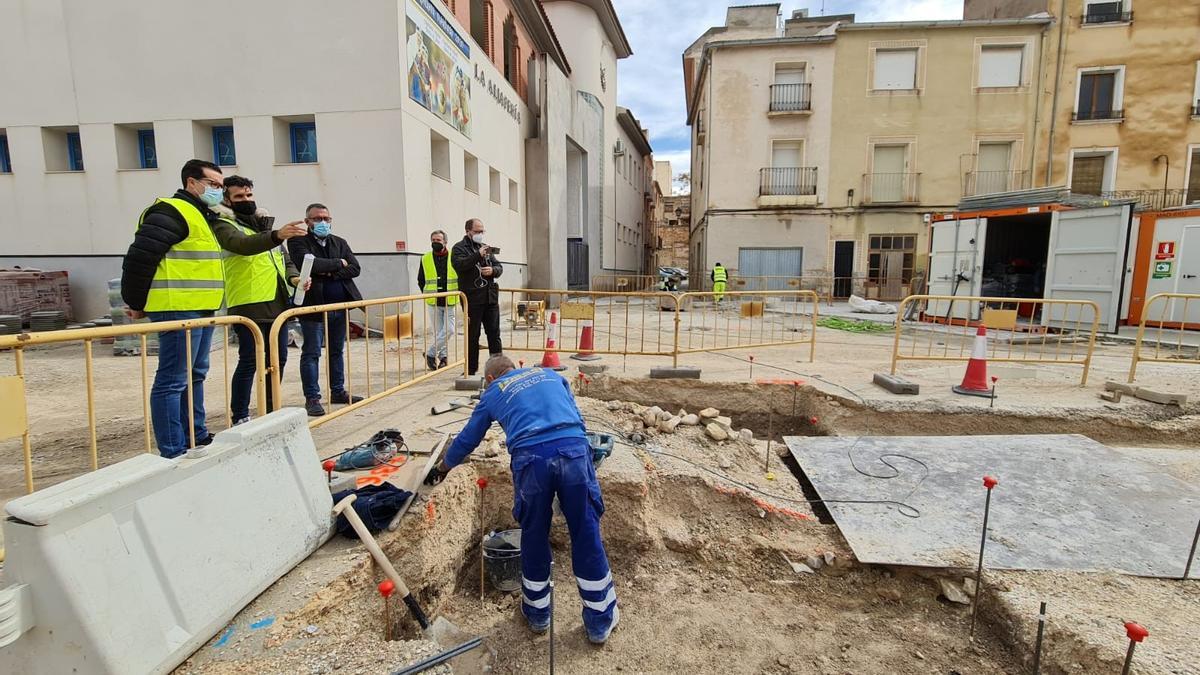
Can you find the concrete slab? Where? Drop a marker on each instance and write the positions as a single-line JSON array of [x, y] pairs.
[[1063, 502], [897, 384], [680, 373]]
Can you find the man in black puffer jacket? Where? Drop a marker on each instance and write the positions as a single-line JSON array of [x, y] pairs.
[[173, 272], [478, 271]]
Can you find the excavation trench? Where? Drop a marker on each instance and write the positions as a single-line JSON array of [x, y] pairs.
[[699, 544]]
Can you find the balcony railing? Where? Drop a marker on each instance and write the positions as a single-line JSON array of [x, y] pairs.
[[891, 188], [990, 182], [1150, 200], [791, 97], [796, 181], [1094, 115], [1094, 17]]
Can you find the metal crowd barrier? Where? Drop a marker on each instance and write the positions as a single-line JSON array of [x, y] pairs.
[[658, 324], [1019, 330], [14, 417], [624, 283], [629, 324], [408, 329], [1172, 318]]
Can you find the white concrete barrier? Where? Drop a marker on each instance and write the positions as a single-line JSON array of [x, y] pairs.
[[131, 568]]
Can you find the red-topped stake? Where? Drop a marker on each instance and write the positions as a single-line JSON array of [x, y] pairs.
[[482, 483], [751, 366], [328, 466], [989, 482], [1136, 633], [992, 402], [386, 588]]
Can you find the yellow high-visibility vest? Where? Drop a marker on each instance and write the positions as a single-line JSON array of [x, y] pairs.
[[431, 279], [719, 275], [189, 277], [251, 278]]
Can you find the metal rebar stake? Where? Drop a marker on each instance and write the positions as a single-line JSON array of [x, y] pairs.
[[551, 620], [1187, 570], [989, 483], [1037, 647], [770, 431]]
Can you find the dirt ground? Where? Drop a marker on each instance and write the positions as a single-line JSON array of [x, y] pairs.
[[698, 550], [696, 531]]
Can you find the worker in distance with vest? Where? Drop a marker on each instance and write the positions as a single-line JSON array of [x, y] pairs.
[[258, 287], [172, 271], [437, 275], [719, 277]]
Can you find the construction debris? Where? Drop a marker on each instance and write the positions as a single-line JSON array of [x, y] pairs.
[[746, 436], [690, 420], [709, 413], [953, 592]]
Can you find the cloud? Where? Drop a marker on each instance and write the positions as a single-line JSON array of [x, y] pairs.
[[650, 83]]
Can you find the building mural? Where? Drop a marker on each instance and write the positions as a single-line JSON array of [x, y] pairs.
[[438, 66]]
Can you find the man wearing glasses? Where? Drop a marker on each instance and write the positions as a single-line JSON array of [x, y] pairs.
[[173, 272], [333, 272]]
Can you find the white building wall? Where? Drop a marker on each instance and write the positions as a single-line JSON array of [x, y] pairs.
[[593, 71], [630, 190], [96, 65]]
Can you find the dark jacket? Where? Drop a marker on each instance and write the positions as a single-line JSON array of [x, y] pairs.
[[439, 264], [480, 290], [162, 228], [259, 312], [327, 268]]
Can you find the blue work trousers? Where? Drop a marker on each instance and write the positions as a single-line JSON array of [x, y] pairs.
[[243, 374], [564, 469], [313, 330]]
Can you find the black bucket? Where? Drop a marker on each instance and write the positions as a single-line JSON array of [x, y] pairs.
[[502, 560]]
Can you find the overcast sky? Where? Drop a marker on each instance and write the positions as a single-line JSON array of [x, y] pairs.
[[650, 83]]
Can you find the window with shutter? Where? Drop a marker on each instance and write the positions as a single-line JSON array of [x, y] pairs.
[[489, 18], [1087, 174]]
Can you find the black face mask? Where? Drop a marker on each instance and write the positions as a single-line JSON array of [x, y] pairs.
[[244, 208], [438, 247]]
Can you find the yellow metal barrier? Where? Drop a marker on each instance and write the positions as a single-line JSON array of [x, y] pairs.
[[1019, 330], [624, 283], [403, 325], [628, 324], [14, 415], [743, 320], [659, 324], [1173, 318]]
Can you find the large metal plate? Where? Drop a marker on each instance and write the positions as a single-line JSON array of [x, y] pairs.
[[1063, 502]]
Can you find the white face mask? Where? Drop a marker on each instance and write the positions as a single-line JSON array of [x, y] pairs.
[[477, 238]]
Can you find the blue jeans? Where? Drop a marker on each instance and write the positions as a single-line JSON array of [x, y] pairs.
[[243, 375], [310, 354], [168, 396], [564, 469]]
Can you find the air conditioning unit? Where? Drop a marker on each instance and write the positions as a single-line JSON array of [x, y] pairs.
[[619, 148]]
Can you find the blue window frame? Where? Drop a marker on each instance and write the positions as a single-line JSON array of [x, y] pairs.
[[5, 160], [304, 142], [74, 152], [224, 151], [146, 151]]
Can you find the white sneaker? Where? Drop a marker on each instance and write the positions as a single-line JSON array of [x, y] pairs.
[[604, 638]]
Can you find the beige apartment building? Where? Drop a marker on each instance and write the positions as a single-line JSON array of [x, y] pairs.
[[820, 145], [1121, 107], [926, 113]]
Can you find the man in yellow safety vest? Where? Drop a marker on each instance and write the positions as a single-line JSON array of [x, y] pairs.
[[719, 276], [258, 287], [171, 272], [437, 275]]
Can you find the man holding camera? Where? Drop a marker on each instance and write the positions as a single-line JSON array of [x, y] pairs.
[[478, 271]]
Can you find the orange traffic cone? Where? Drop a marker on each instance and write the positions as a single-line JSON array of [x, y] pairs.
[[975, 381], [587, 342], [550, 358]]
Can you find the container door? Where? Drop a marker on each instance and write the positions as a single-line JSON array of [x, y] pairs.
[[1189, 277], [1086, 261], [955, 255]]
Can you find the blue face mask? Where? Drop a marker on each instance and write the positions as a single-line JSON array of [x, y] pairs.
[[321, 228], [212, 196]]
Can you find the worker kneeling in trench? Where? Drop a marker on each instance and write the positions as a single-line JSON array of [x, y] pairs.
[[550, 457]]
